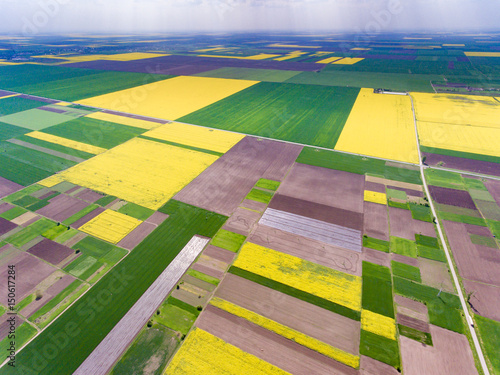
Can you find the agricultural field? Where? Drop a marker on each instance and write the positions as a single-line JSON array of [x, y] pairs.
[[238, 204]]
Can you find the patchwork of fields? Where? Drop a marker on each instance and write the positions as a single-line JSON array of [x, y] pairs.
[[295, 171]]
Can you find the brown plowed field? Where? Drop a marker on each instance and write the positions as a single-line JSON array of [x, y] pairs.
[[435, 274], [410, 192], [317, 211], [370, 366], [450, 354], [494, 189], [88, 217], [89, 195], [6, 226], [253, 205], [411, 308], [62, 207], [223, 185], [157, 218], [135, 237], [404, 259], [5, 207], [324, 186], [392, 183], [267, 345], [373, 186], [452, 197], [376, 256], [376, 221], [412, 322], [485, 299], [220, 254], [51, 251], [477, 263], [404, 226], [208, 270], [5, 325], [8, 187], [328, 327], [478, 230], [213, 263], [241, 221], [312, 250]]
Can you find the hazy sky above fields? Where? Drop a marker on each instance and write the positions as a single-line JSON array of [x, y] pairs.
[[134, 16]]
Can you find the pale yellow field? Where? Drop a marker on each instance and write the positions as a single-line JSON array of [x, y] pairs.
[[63, 104], [67, 142], [473, 139], [203, 353], [118, 57], [140, 171], [8, 96], [380, 125], [379, 324], [375, 197], [124, 120], [482, 54], [196, 136], [110, 226], [348, 60], [291, 334], [328, 60], [261, 56], [171, 98], [277, 45], [316, 279], [291, 55], [457, 109]]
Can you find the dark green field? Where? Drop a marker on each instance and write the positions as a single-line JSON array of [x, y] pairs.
[[377, 289], [15, 104], [313, 115], [8, 131]]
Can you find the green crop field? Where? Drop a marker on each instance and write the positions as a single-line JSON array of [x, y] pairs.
[[90, 320], [357, 164], [313, 115], [8, 131], [260, 196], [431, 253], [36, 119], [412, 333], [489, 331], [13, 213], [30, 232], [70, 220], [403, 246], [15, 104], [421, 239], [175, 318], [95, 132], [54, 232], [83, 267], [134, 210], [267, 184], [420, 212], [462, 218], [444, 179], [376, 244], [228, 240], [377, 289], [380, 348], [104, 201], [406, 271], [202, 276]]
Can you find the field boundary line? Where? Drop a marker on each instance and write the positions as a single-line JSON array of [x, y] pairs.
[[470, 322]]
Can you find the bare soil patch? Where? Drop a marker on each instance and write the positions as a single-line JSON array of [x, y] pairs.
[[5, 207], [6, 226], [412, 322], [135, 237], [376, 256], [374, 186], [404, 226], [51, 251], [478, 230], [253, 205], [88, 217], [8, 187], [436, 274], [241, 221], [452, 197], [376, 221], [450, 354], [208, 270], [404, 259], [312, 250], [24, 218], [484, 299], [370, 366], [89, 195], [411, 308], [494, 189], [62, 207], [220, 254], [157, 218], [213, 263]]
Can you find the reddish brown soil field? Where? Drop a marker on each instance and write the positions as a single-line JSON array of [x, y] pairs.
[[376, 256], [8, 187], [312, 250], [485, 299], [135, 237], [5, 207], [373, 186], [208, 271], [404, 259], [324, 186], [62, 207], [494, 189], [370, 366], [267, 345], [328, 327], [51, 251], [462, 164], [220, 254], [450, 354], [33, 271], [412, 322], [89, 195], [88, 217], [477, 263], [157, 218], [317, 211], [242, 221], [223, 185], [453, 197], [376, 222], [253, 205], [478, 230], [404, 226], [6, 226]]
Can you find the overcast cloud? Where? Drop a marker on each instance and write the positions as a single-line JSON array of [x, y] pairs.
[[136, 16]]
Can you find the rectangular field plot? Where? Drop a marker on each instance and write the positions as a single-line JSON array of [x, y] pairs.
[[8, 131], [129, 120], [382, 126], [313, 115], [110, 226], [266, 75], [140, 171], [79, 146], [196, 136], [35, 119], [171, 98], [16, 104]]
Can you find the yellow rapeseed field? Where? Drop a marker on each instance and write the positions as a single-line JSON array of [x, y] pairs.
[[171, 98], [380, 125], [457, 109], [473, 139], [67, 142], [375, 197], [291, 334], [379, 324], [110, 226], [203, 353], [482, 54], [324, 282], [348, 60], [328, 60], [261, 56], [196, 136], [140, 171], [123, 120], [118, 57]]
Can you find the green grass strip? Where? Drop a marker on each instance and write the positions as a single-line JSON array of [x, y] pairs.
[[19, 194], [183, 146], [431, 253], [376, 244], [380, 348], [267, 184], [442, 315], [420, 212], [80, 214], [228, 240], [304, 296], [426, 240], [104, 201], [489, 331], [260, 196], [406, 271], [404, 206], [66, 235], [183, 305], [13, 213], [462, 219], [202, 276], [494, 227], [134, 210], [412, 333], [25, 302]]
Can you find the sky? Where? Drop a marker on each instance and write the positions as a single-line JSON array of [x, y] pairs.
[[29, 17]]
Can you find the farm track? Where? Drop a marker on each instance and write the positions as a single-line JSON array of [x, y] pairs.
[[470, 322]]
